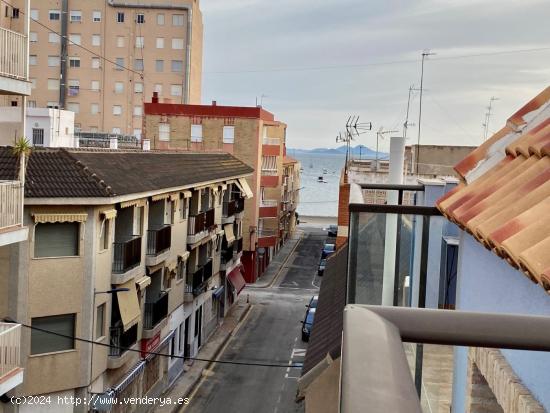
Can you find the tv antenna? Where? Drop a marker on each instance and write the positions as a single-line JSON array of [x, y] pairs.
[[488, 117]]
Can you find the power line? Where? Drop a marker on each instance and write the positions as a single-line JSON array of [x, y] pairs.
[[239, 363]]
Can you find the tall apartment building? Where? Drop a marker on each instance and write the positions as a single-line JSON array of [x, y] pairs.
[[254, 136], [129, 49], [125, 249]]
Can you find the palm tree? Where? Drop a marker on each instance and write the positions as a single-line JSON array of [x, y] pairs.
[[22, 149]]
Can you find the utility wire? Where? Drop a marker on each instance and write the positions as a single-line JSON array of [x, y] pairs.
[[239, 363]]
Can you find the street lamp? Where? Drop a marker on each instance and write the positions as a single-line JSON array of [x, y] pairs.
[[92, 341]]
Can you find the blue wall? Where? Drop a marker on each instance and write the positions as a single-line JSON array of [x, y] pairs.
[[488, 283]]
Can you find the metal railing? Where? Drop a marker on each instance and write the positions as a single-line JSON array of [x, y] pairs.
[[120, 340], [126, 254], [210, 218], [270, 172], [10, 347], [155, 311], [229, 208], [200, 277], [11, 200], [103, 140], [227, 255], [271, 141], [13, 54], [200, 222], [239, 205], [159, 240], [268, 203]]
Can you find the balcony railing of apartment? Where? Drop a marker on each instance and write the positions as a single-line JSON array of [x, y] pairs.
[[268, 203], [271, 141], [13, 58], [239, 205], [11, 200], [210, 218], [103, 140], [10, 347], [126, 254], [200, 222], [200, 276], [121, 340], [155, 311], [270, 172], [227, 255], [159, 240], [229, 208]]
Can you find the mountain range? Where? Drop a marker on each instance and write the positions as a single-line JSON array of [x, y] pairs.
[[359, 150]]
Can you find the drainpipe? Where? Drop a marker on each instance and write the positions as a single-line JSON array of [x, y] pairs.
[[189, 10], [64, 51]]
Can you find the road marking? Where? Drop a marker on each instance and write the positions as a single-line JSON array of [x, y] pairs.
[[298, 352]]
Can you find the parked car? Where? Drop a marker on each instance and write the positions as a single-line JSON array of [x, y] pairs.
[[307, 324], [332, 231], [321, 269], [313, 302], [328, 249]]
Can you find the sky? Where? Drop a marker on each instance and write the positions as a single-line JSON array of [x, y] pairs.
[[317, 62]]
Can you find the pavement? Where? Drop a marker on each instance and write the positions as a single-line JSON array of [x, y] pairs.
[[267, 330]]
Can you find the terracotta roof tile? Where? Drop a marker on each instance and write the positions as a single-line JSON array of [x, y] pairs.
[[504, 200]]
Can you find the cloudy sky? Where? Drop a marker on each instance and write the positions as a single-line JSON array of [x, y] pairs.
[[319, 61]]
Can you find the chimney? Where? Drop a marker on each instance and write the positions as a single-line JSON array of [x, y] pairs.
[[146, 144], [214, 103], [155, 97]]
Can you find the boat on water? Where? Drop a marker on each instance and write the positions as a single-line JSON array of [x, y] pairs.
[[321, 180]]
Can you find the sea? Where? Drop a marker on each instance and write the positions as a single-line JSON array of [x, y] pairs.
[[319, 199]]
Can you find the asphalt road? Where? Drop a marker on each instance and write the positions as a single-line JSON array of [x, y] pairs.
[[271, 333]]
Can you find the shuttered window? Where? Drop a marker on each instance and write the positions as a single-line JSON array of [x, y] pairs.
[[56, 239], [269, 163], [164, 131], [228, 134], [44, 342]]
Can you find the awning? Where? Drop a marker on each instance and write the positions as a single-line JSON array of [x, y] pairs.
[[236, 279], [109, 214], [135, 202], [172, 265], [184, 256], [229, 236], [40, 218], [187, 194], [128, 304], [244, 187], [218, 292], [143, 282], [160, 197]]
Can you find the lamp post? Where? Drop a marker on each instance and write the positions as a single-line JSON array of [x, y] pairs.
[[92, 341]]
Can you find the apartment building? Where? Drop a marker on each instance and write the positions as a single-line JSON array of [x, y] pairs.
[[100, 58], [125, 249], [290, 196], [252, 135]]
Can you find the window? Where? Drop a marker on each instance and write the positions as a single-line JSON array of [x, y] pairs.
[[119, 87], [75, 39], [183, 207], [95, 85], [33, 37], [75, 16], [120, 41], [160, 42], [15, 13], [137, 134], [117, 110], [74, 87], [178, 19], [53, 84], [74, 62], [160, 19], [164, 131], [177, 66], [42, 342], [52, 105], [56, 239], [73, 107], [172, 349], [120, 17], [228, 134], [181, 338], [96, 40], [94, 129], [177, 44], [54, 14], [119, 63], [95, 62], [96, 16], [138, 64], [34, 14], [116, 131], [94, 108], [176, 90], [54, 61], [77, 127], [158, 88], [140, 18], [180, 271], [100, 321], [138, 87], [104, 235], [196, 133], [32, 103], [139, 42], [159, 65], [37, 137], [33, 59], [138, 110], [54, 38]]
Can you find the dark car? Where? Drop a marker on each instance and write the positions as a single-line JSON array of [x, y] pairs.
[[327, 250], [332, 230], [321, 269], [313, 302], [307, 324]]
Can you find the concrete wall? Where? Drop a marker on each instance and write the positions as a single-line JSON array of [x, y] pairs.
[[437, 159]]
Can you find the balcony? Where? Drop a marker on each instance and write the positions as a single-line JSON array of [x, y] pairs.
[[267, 238], [268, 208], [159, 241], [155, 311], [11, 372], [126, 256], [11, 205], [199, 225], [269, 179], [13, 63], [200, 278], [228, 211], [239, 205], [271, 146], [188, 295]]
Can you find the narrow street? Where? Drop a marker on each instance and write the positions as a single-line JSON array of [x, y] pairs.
[[270, 333]]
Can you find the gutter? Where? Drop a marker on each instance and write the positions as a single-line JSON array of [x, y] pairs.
[[189, 10]]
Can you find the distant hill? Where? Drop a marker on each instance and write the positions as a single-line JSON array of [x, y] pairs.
[[364, 151]]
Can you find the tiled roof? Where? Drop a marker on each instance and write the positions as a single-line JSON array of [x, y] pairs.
[[504, 197], [326, 335], [80, 173], [289, 159]]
